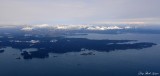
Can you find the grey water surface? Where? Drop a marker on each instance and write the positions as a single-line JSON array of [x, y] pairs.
[[24, 61]]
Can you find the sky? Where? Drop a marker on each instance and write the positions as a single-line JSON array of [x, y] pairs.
[[79, 11]]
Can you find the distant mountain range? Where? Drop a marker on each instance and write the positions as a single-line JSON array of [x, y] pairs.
[[88, 28], [74, 27]]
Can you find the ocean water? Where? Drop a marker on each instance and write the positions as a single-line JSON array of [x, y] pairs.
[[83, 58]]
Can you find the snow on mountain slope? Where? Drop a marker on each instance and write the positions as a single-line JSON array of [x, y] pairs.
[[75, 27]]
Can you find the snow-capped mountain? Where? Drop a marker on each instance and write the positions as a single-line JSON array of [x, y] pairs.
[[74, 27]]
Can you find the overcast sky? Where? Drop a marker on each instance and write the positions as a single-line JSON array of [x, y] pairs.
[[78, 11]]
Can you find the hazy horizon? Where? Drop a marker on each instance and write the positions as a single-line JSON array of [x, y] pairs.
[[19, 12]]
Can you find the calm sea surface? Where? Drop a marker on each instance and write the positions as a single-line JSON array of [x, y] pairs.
[[130, 62]]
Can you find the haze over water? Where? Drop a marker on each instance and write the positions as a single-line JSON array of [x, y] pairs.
[[79, 38]]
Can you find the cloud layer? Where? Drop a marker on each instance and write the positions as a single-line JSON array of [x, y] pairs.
[[78, 11]]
